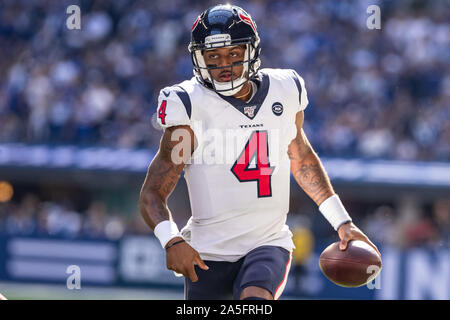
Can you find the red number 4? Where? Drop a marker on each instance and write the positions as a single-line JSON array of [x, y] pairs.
[[162, 112], [257, 147]]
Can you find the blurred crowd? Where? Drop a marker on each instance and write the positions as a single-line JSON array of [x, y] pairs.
[[32, 216], [428, 227], [425, 225], [373, 93]]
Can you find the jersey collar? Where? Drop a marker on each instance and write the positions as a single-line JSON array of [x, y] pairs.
[[262, 82]]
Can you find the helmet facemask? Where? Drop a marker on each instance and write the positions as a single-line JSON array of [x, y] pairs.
[[251, 63]]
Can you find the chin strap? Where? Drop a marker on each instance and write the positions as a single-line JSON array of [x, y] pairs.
[[224, 88]]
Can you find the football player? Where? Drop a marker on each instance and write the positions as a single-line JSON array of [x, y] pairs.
[[237, 243]]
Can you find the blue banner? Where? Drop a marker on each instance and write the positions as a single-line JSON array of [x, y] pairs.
[[139, 261]]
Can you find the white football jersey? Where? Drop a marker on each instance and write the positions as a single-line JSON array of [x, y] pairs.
[[239, 175]]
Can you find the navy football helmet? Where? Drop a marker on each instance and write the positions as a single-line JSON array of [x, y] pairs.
[[222, 26]]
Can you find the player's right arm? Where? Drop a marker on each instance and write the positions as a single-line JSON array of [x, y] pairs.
[[162, 177], [176, 147]]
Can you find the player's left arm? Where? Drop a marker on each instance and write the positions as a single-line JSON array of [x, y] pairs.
[[311, 176]]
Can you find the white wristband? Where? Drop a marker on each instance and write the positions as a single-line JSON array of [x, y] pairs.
[[333, 210], [166, 230]]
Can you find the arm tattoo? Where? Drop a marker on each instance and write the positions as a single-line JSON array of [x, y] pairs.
[[308, 171], [161, 179], [312, 178]]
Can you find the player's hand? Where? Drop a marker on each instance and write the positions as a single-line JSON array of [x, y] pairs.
[[181, 257], [348, 231]]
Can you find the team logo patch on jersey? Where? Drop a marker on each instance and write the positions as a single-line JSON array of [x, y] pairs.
[[277, 108], [250, 111]]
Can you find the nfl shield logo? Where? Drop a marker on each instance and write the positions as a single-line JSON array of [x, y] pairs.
[[250, 111]]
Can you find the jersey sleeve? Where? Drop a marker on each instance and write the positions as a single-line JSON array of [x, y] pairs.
[[174, 107], [302, 94]]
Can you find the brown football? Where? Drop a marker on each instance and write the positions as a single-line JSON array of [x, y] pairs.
[[353, 267]]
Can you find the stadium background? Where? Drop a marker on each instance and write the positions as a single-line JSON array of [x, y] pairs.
[[78, 130]]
